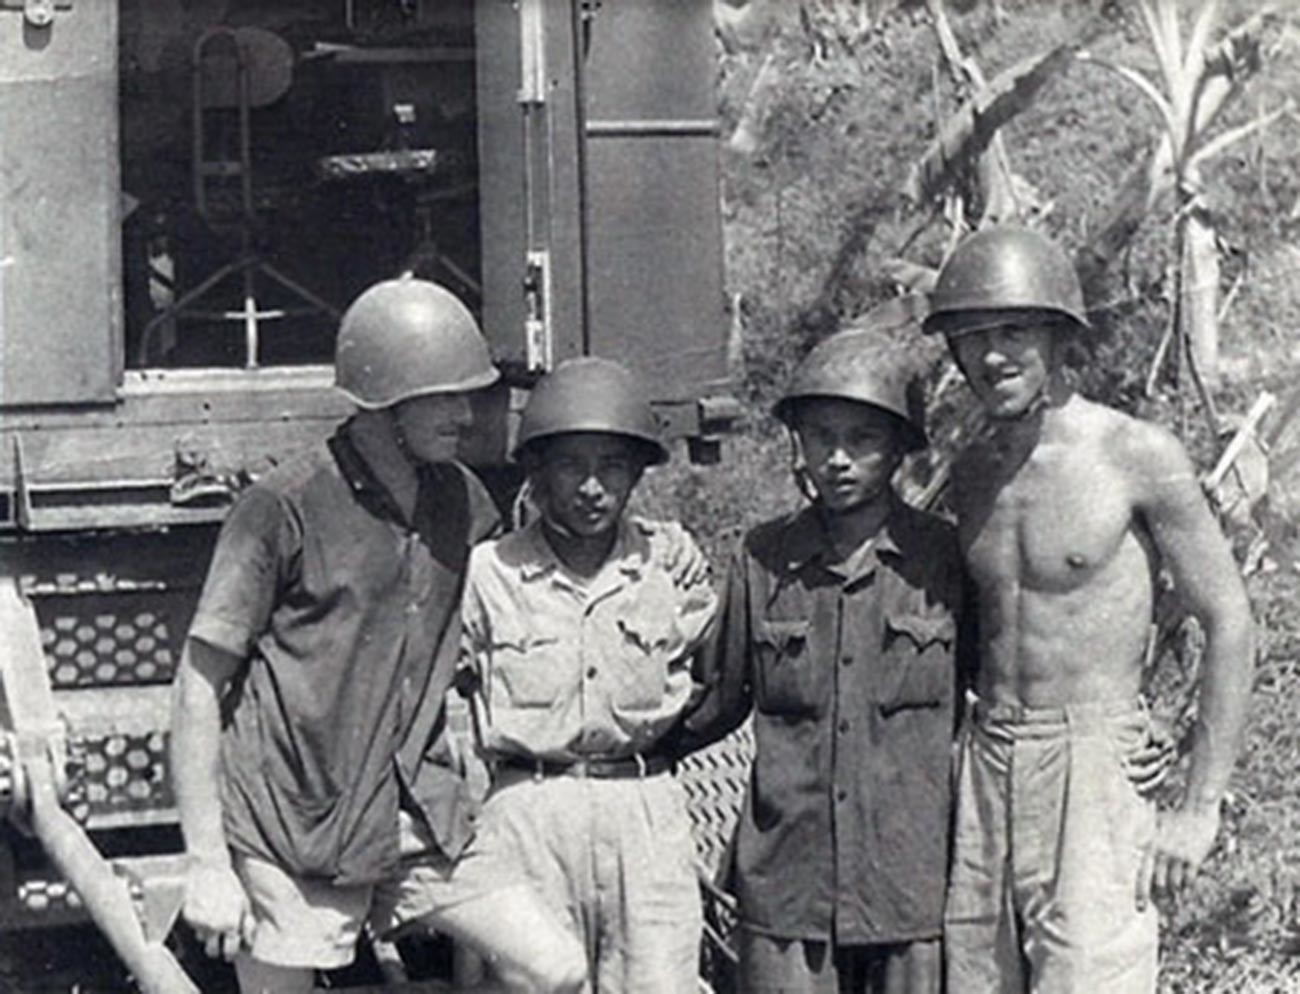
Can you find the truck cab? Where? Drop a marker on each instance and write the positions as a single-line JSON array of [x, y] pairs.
[[191, 193]]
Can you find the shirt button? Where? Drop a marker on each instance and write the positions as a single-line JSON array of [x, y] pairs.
[[841, 795], [844, 725], [846, 659], [591, 673]]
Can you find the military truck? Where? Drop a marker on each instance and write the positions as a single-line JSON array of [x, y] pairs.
[[192, 192]]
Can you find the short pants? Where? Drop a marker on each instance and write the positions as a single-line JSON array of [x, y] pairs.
[[1049, 838], [312, 923]]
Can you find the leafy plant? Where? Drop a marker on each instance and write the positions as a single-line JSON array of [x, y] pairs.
[[1197, 77]]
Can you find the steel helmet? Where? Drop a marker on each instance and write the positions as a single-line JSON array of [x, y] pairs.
[[1004, 267], [405, 338], [589, 394], [863, 365]]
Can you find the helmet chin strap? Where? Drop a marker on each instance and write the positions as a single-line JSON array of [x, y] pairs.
[[399, 438], [537, 496], [583, 554], [803, 479], [559, 528], [1040, 402], [799, 468]]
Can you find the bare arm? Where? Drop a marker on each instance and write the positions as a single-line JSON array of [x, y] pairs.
[[215, 903], [723, 694], [1207, 578]]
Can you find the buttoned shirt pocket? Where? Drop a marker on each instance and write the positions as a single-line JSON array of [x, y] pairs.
[[639, 665], [787, 679], [918, 667], [527, 668]]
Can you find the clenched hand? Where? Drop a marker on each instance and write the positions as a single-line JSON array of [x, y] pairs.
[[1184, 838], [217, 908]]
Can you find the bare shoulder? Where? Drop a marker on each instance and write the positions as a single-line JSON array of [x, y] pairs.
[[1150, 458]]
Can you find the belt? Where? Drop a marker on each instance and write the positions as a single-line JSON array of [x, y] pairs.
[[1065, 714], [596, 768]]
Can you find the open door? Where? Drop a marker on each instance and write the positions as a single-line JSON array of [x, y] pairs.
[[601, 223], [59, 203], [654, 231], [530, 179]]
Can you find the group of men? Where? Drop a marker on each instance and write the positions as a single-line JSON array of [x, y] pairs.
[[953, 761]]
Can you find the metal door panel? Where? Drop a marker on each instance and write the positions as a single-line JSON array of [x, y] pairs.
[[646, 57], [655, 279], [654, 233], [59, 207]]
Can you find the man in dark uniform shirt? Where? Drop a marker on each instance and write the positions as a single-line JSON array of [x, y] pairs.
[[317, 792], [840, 632]]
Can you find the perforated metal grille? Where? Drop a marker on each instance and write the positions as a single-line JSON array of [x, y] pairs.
[[47, 895], [6, 773], [122, 773], [715, 780], [105, 640]]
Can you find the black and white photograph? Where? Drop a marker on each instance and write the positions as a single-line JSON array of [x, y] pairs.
[[649, 496]]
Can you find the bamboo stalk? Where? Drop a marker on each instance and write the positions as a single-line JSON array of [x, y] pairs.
[[1263, 404]]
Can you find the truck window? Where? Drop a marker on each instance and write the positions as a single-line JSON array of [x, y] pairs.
[[276, 159]]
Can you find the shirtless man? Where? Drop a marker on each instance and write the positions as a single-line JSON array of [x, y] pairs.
[[1065, 513]]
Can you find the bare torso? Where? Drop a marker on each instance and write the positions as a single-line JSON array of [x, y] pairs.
[[1061, 560]]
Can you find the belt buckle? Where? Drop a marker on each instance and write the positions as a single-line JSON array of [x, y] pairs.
[[581, 768]]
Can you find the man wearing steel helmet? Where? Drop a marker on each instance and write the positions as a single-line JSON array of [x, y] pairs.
[[579, 632], [1066, 511], [316, 789], [840, 633]]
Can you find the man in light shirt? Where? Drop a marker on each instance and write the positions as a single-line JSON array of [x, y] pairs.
[[579, 635]]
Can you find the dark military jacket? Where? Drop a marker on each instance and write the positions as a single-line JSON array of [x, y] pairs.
[[851, 671]]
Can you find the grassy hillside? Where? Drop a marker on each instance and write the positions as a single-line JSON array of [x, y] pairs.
[[813, 213]]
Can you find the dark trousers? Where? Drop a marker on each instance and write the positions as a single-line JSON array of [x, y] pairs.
[[770, 965]]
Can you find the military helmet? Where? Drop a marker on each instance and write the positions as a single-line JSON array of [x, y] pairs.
[[863, 365], [1001, 268], [589, 394], [406, 338]]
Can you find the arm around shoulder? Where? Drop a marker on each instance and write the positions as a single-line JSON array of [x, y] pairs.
[[474, 635], [722, 695]]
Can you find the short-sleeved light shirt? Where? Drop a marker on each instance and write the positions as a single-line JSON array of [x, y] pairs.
[[566, 667], [349, 618]]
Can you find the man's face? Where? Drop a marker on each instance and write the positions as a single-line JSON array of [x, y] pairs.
[[1008, 365], [582, 481], [851, 450], [429, 427]]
